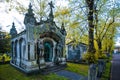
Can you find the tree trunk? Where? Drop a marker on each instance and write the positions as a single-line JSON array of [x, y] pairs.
[[90, 4], [99, 42], [91, 50], [99, 45]]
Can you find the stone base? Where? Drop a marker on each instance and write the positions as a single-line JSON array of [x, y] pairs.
[[26, 66], [17, 61], [32, 66], [63, 61]]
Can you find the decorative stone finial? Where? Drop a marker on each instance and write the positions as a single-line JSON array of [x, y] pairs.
[[30, 6], [13, 25], [62, 27], [13, 30], [63, 31], [51, 17]]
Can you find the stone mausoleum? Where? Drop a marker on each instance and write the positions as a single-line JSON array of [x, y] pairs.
[[75, 52], [40, 45]]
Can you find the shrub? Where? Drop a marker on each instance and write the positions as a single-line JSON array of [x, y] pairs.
[[106, 74], [90, 57], [5, 56], [101, 55]]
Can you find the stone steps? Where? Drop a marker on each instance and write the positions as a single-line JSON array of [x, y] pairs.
[[52, 69]]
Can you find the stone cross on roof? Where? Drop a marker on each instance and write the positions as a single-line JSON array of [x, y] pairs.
[[51, 5], [51, 12]]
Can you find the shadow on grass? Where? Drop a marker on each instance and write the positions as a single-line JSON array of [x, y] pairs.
[[7, 72], [81, 69]]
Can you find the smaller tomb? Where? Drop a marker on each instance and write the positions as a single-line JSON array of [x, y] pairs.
[[74, 53]]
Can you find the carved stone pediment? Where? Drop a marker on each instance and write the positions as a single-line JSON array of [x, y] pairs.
[[48, 28]]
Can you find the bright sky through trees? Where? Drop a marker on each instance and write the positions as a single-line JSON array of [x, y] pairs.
[[7, 16]]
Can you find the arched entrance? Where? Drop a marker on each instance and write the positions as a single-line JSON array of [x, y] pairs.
[[48, 51]]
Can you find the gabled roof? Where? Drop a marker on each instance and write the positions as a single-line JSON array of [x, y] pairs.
[[73, 41]]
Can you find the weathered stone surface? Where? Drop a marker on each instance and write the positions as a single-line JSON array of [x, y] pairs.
[[37, 45], [101, 67], [13, 31], [29, 17], [92, 74], [76, 52]]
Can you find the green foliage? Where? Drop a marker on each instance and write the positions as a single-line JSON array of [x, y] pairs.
[[8, 0], [90, 57], [105, 25], [106, 74], [96, 45], [78, 68], [5, 43], [9, 72], [62, 15], [40, 8], [100, 54], [7, 58], [74, 16]]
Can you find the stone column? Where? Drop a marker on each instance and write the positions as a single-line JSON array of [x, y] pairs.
[[54, 51], [32, 52], [18, 52], [18, 49], [28, 51], [12, 51], [66, 55]]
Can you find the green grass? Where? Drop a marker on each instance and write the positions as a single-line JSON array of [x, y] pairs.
[[78, 68], [7, 72], [106, 74]]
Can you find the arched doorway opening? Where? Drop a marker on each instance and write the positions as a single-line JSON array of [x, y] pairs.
[[48, 51]]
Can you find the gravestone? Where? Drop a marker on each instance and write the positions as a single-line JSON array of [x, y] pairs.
[[101, 67], [92, 72]]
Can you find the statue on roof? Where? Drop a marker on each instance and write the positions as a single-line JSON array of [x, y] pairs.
[[30, 10], [29, 17]]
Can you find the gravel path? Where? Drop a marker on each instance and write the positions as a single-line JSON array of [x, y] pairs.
[[70, 75]]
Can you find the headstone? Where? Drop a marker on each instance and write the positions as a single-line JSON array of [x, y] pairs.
[[101, 66], [92, 72]]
